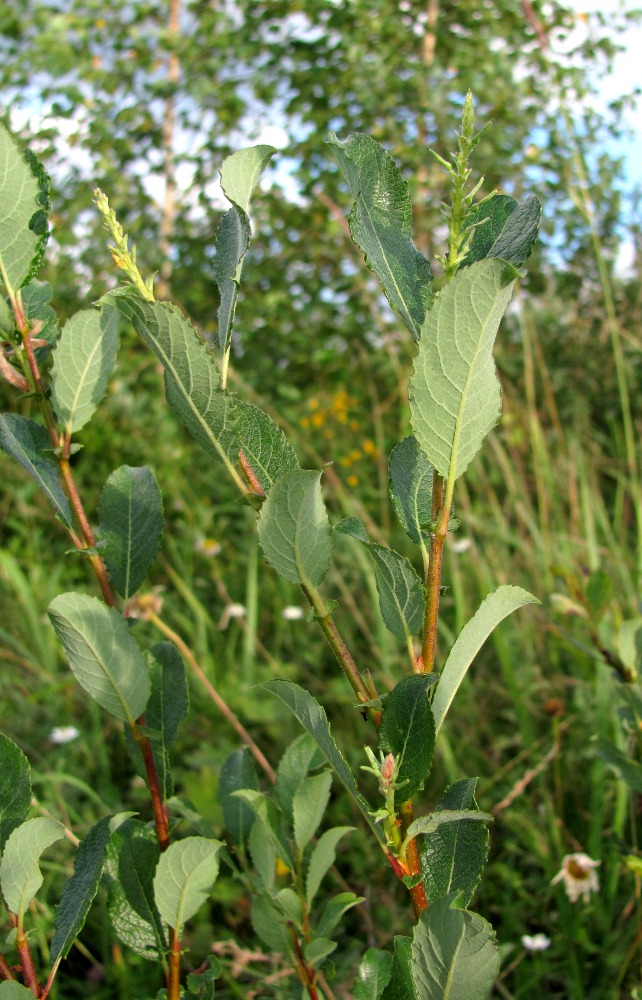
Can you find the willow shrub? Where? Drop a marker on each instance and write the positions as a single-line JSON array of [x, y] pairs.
[[159, 874]]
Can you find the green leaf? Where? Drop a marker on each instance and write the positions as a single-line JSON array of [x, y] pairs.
[[237, 772], [184, 877], [102, 654], [400, 985], [411, 476], [84, 362], [264, 444], [192, 377], [408, 731], [290, 904], [269, 924], [322, 858], [401, 592], [36, 297], [20, 875], [28, 442], [354, 527], [294, 530], [301, 756], [629, 644], [599, 588], [454, 953], [472, 637], [131, 524], [79, 891], [334, 910], [318, 950], [380, 224], [264, 854], [269, 819], [239, 174], [509, 233], [24, 202], [15, 788], [132, 856], [14, 991], [455, 398], [308, 805], [313, 718], [202, 985], [435, 821], [168, 705], [628, 770], [454, 855], [372, 975]]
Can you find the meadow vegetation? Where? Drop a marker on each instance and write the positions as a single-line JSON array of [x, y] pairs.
[[550, 714]]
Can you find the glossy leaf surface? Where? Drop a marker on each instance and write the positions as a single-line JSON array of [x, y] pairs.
[[408, 732], [411, 476], [380, 225], [313, 718], [131, 523], [167, 707], [15, 788], [29, 443], [132, 856], [237, 772], [454, 855], [510, 231], [372, 975], [79, 891]]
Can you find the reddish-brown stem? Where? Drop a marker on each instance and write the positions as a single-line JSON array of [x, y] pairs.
[[222, 706], [433, 576], [29, 973], [97, 563], [306, 974], [161, 819], [5, 971], [417, 893], [174, 974], [62, 446]]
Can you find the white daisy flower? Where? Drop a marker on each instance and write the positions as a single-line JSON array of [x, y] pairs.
[[292, 613], [536, 942], [231, 611], [579, 876], [63, 734]]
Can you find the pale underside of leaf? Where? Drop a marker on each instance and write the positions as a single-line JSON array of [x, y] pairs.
[[455, 398], [490, 613], [84, 361], [192, 377], [20, 202], [102, 653]]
